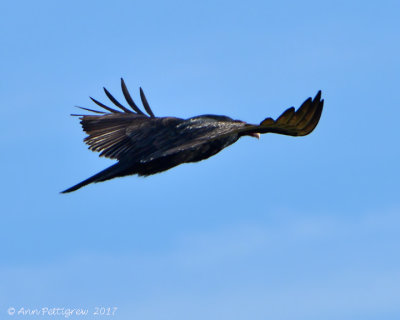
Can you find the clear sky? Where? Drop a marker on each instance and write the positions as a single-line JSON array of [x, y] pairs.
[[276, 228]]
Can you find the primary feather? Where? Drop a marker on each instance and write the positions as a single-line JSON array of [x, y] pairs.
[[145, 144]]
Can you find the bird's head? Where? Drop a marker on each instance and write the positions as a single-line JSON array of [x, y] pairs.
[[253, 134]]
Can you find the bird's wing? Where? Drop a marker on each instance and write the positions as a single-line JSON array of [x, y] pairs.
[[117, 136], [118, 132], [129, 100], [292, 122]]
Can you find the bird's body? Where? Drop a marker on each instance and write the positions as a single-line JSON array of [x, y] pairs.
[[145, 144]]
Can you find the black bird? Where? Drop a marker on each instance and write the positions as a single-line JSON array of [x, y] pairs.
[[145, 144]]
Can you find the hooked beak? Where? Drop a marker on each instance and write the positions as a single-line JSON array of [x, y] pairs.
[[255, 135]]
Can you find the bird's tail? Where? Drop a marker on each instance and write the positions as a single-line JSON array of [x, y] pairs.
[[116, 170]]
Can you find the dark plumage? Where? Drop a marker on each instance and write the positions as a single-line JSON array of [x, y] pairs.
[[144, 144]]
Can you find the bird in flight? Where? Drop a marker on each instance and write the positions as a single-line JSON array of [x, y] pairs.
[[145, 144]]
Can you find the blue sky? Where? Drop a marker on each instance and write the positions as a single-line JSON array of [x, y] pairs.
[[276, 228]]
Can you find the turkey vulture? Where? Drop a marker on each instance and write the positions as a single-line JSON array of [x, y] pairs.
[[145, 144]]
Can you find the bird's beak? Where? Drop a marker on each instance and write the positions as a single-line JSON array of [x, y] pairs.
[[255, 135]]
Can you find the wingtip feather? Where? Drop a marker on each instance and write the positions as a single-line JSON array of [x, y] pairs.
[[145, 103], [128, 98]]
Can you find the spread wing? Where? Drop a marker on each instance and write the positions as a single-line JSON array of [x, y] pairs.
[[292, 122], [122, 135], [117, 133]]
